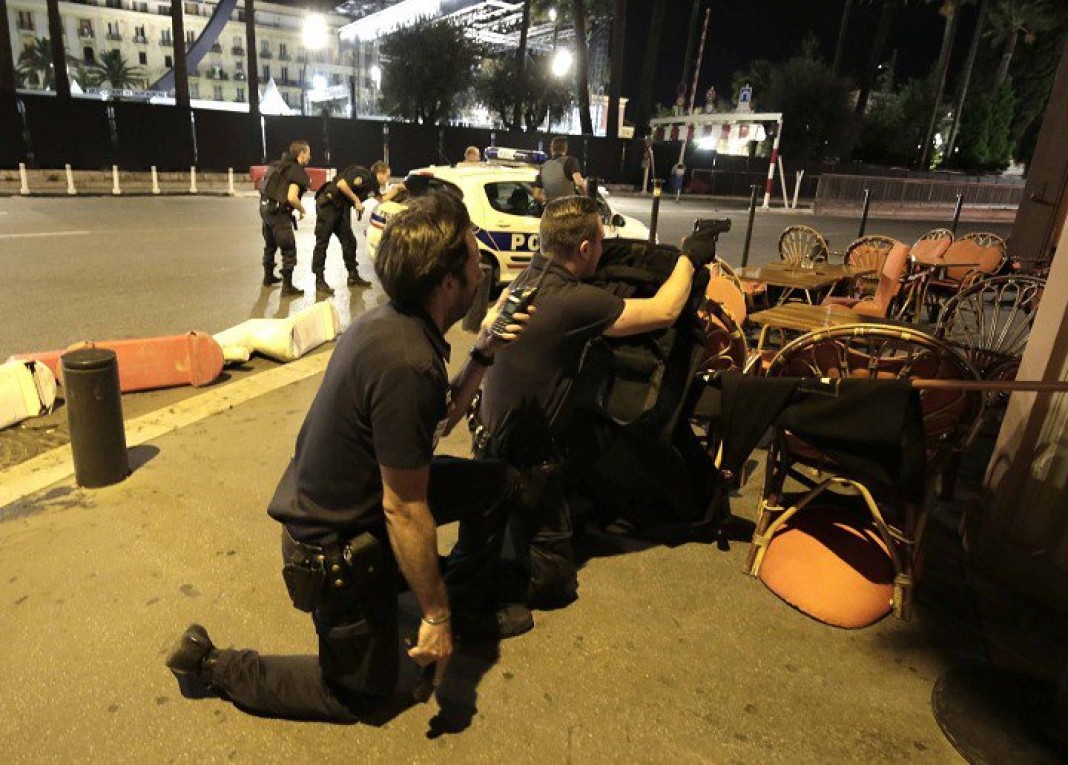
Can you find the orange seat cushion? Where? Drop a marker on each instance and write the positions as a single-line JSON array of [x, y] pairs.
[[829, 563]]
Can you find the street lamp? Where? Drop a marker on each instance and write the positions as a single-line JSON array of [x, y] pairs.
[[314, 32], [561, 62]]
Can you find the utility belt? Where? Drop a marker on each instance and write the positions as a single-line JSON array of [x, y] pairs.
[[313, 572], [270, 205]]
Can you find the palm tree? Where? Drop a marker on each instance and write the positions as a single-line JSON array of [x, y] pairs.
[[966, 77], [35, 64], [882, 33], [7, 62], [113, 70], [582, 66], [252, 72], [1011, 18], [59, 54], [521, 58], [843, 30], [615, 78], [646, 85], [948, 11]]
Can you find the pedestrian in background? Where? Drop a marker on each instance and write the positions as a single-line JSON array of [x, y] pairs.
[[560, 177], [283, 185], [334, 203], [472, 156]]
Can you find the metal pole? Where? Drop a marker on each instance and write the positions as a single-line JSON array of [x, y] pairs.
[[771, 165], [956, 212], [94, 412], [864, 214], [657, 183], [749, 229]]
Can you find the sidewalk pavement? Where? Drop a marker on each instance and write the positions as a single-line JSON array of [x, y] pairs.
[[669, 655]]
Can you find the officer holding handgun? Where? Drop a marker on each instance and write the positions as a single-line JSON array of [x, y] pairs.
[[333, 205], [361, 497], [280, 191], [525, 403]]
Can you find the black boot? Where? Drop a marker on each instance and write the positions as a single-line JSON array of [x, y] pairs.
[[355, 280], [321, 285], [288, 290], [192, 660], [269, 279]]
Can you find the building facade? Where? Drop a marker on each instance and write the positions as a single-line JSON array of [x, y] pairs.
[[140, 31]]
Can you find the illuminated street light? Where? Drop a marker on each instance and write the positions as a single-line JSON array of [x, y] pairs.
[[552, 14], [376, 75], [561, 62]]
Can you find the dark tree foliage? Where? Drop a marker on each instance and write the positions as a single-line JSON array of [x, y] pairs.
[[985, 143], [895, 123], [428, 70], [539, 94]]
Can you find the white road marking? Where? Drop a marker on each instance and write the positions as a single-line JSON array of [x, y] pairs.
[[58, 464], [45, 233]]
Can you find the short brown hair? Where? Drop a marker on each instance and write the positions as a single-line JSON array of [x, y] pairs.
[[558, 145], [421, 245], [379, 167], [297, 147], [472, 154], [566, 223]]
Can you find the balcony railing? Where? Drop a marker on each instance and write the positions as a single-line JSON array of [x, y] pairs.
[[283, 57], [216, 48], [85, 33], [237, 50], [166, 42], [141, 39], [265, 54], [114, 36], [239, 76], [25, 26]]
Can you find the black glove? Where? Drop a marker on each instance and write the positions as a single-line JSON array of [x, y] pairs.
[[700, 248]]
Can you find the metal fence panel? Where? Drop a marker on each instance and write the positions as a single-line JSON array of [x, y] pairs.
[[152, 135], [228, 139]]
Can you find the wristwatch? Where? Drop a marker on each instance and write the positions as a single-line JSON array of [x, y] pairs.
[[481, 358]]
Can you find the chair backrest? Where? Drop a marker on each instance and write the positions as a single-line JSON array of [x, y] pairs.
[[725, 346], [728, 293], [990, 322], [930, 247], [869, 252], [894, 268], [880, 351], [798, 242], [994, 254]]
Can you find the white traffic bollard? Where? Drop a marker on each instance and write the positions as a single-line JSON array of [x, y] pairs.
[[155, 180], [193, 179], [115, 180], [70, 181], [230, 181], [24, 185]]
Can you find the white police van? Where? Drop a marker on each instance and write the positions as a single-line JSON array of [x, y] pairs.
[[501, 204]]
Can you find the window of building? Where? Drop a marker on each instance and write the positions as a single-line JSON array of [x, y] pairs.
[[240, 94], [191, 9], [194, 90], [88, 54], [168, 62], [190, 37], [142, 58], [239, 65], [165, 37], [25, 21], [285, 74], [218, 93], [282, 52], [265, 47], [85, 28], [266, 72], [335, 79], [113, 31], [139, 34], [238, 41], [285, 97], [142, 7]]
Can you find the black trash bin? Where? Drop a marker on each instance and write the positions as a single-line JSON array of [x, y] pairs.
[[94, 412]]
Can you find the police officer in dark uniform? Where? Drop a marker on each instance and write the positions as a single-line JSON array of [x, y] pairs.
[[333, 205], [361, 497], [280, 191], [525, 404], [560, 176]]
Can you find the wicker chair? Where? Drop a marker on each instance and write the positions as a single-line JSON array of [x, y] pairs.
[[981, 255], [892, 275], [930, 247], [756, 293], [950, 418], [799, 242], [867, 252]]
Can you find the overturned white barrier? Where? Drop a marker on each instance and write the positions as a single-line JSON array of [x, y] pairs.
[[27, 389], [281, 339]]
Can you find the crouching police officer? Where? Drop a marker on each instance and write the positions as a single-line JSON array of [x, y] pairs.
[[361, 497], [282, 187], [333, 205]]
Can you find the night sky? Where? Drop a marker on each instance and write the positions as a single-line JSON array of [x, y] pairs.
[[740, 31]]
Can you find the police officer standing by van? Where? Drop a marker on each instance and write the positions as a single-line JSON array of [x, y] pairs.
[[334, 203], [281, 189], [560, 176]]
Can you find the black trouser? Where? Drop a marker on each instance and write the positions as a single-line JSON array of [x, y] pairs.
[[278, 234], [358, 659], [332, 219]]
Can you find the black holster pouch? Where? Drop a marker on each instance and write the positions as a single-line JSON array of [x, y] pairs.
[[305, 580], [310, 571]]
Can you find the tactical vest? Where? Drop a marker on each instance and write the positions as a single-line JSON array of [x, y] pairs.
[[553, 180], [274, 185]]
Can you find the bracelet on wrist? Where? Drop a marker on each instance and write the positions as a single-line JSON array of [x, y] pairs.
[[438, 621], [483, 359]]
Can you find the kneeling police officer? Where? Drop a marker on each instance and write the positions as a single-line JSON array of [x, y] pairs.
[[361, 497]]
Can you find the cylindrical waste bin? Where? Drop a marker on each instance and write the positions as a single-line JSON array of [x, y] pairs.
[[94, 412], [474, 316]]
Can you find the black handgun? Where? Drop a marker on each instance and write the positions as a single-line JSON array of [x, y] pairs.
[[715, 225]]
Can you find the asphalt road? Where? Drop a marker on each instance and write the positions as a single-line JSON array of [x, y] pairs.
[[102, 268]]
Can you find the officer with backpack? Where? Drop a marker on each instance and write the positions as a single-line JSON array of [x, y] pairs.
[[283, 185], [333, 205], [526, 395], [560, 176]]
